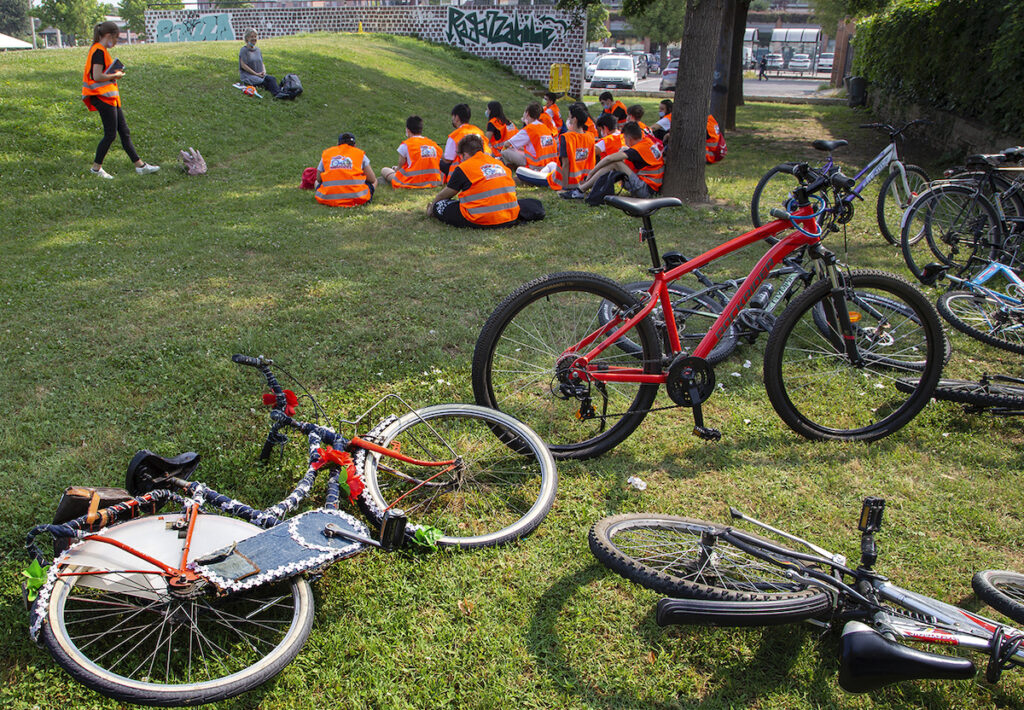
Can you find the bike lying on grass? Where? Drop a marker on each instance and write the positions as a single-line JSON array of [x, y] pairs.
[[721, 576], [576, 357], [199, 605]]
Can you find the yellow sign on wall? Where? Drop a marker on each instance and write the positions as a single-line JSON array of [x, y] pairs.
[[559, 78]]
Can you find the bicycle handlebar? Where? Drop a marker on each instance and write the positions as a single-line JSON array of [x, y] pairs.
[[277, 414], [896, 132]]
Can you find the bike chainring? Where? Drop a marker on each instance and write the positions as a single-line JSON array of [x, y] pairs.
[[845, 212], [691, 380]]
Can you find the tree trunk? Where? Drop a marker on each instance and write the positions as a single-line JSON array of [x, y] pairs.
[[684, 168], [739, 26], [723, 64]]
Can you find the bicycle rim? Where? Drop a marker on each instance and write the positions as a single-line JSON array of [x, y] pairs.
[[499, 488], [985, 318], [773, 191]]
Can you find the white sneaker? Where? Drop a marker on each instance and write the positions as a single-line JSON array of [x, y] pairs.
[[146, 169], [102, 173]]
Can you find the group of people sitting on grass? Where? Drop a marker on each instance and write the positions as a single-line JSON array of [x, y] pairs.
[[579, 157]]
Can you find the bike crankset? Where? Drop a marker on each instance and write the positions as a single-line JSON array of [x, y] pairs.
[[690, 380]]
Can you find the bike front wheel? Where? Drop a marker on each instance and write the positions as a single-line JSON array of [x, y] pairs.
[[498, 486], [895, 196], [772, 191], [694, 559], [985, 318], [1002, 590], [527, 362], [118, 627], [820, 392]]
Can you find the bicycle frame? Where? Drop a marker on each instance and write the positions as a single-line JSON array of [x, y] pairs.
[[659, 293], [888, 157], [977, 283]]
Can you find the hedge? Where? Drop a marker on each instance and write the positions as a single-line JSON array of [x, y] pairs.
[[965, 56]]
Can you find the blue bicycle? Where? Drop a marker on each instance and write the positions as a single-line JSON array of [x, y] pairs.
[[986, 314]]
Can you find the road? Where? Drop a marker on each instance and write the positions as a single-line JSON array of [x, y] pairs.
[[774, 87]]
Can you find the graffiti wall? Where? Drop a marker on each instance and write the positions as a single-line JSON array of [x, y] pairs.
[[526, 39]]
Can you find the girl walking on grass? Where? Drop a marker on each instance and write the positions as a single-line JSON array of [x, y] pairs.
[[99, 92]]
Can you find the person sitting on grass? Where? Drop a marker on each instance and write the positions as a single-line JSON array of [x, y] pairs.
[[664, 115], [499, 129], [552, 117], [633, 115], [610, 140], [344, 177], [485, 189], [251, 71], [421, 160], [575, 158], [460, 122], [613, 107], [639, 165], [533, 146]]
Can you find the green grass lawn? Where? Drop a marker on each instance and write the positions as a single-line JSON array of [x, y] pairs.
[[123, 300]]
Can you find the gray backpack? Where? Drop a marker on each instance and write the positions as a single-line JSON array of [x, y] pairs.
[[289, 88]]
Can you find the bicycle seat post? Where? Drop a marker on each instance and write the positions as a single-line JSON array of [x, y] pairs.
[[647, 235]]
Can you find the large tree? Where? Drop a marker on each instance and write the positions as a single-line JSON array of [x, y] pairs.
[[72, 17], [829, 13], [597, 23], [660, 20], [14, 17], [133, 12]]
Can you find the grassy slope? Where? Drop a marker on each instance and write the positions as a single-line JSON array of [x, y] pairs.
[[121, 302]]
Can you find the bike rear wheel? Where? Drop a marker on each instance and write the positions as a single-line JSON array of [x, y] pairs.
[[975, 393], [1002, 590], [894, 198], [985, 318], [810, 379], [525, 363], [950, 224], [499, 489], [695, 559], [124, 632]]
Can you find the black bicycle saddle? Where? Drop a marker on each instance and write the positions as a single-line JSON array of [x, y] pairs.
[[636, 207], [829, 146]]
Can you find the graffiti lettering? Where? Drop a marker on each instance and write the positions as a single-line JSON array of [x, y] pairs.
[[497, 27], [196, 28]]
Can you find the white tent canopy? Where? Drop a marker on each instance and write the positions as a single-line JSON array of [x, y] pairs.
[[7, 42]]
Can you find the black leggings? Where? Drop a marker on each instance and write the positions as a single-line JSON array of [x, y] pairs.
[[113, 125]]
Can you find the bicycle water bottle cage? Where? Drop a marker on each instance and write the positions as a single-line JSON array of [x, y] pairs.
[[869, 661], [871, 515], [829, 146]]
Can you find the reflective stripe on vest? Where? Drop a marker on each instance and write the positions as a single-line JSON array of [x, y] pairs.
[[423, 170], [106, 91], [654, 172], [457, 135], [545, 147], [575, 144], [342, 182], [491, 196]]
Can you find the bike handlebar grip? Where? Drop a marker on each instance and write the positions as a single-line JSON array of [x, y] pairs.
[[246, 360], [780, 214], [841, 181]]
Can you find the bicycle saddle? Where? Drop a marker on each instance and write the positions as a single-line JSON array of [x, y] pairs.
[[146, 469], [869, 661], [829, 145], [981, 160], [635, 207]]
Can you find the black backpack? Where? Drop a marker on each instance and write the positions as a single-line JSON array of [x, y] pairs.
[[290, 87]]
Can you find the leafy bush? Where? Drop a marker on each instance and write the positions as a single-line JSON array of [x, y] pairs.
[[958, 55]]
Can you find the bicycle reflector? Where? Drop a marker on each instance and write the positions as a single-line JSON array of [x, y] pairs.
[[854, 316], [871, 515]]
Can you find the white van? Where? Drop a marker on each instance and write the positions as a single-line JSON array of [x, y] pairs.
[[614, 71]]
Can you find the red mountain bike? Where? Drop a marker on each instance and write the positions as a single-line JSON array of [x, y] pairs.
[[550, 356]]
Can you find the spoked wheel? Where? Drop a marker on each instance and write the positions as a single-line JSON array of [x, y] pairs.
[[1002, 590], [694, 312], [815, 386], [121, 629], [895, 196], [698, 560], [498, 486], [949, 224], [985, 318], [527, 363], [773, 190], [982, 393]]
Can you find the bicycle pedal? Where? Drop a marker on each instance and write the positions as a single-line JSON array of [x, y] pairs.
[[707, 433]]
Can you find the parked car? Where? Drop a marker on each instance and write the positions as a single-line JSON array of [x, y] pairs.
[[640, 61], [590, 63], [825, 60], [614, 71], [800, 62], [774, 61], [653, 64], [668, 75]]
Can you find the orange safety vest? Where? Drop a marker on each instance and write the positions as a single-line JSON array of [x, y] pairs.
[[714, 147], [342, 182], [491, 199], [457, 135], [106, 91], [613, 143], [546, 120], [591, 128], [505, 131], [423, 169], [545, 149], [555, 114], [611, 112], [654, 172], [579, 154]]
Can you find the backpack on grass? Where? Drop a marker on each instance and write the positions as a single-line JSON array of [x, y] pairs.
[[290, 87]]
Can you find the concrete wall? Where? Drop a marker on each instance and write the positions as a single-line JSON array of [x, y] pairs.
[[526, 39]]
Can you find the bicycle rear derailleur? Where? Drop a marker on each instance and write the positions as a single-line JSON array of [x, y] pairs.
[[569, 384], [691, 380]]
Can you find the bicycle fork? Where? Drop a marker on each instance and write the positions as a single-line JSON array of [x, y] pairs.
[[837, 311]]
